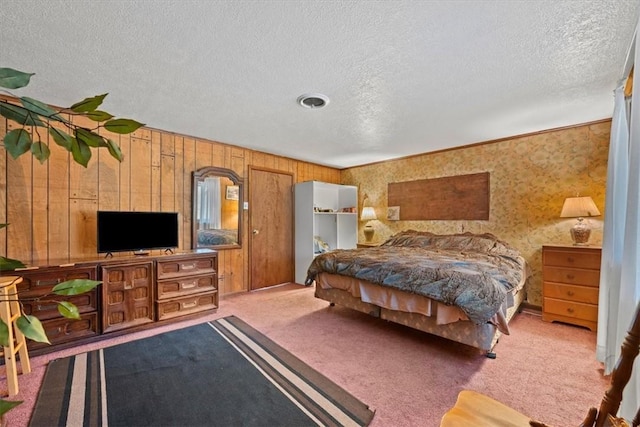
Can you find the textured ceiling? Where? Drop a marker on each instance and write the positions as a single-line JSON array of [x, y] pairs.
[[403, 77]]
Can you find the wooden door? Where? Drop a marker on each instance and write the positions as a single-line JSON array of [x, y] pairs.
[[270, 227]]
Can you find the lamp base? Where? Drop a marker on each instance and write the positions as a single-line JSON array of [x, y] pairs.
[[580, 233], [368, 233]]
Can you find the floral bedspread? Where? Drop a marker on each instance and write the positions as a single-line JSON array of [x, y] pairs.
[[472, 271]]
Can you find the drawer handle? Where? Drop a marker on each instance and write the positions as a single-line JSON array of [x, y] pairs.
[[570, 310], [41, 307], [188, 266], [189, 304], [128, 286], [189, 285], [570, 276], [47, 282], [570, 259], [570, 293]]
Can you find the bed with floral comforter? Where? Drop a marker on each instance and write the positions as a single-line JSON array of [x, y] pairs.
[[477, 274]]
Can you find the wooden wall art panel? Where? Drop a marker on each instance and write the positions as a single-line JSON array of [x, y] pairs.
[[461, 197]]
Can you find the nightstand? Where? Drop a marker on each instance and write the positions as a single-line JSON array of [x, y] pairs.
[[571, 281], [367, 245]]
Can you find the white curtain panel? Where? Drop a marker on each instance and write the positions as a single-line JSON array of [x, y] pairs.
[[620, 274], [630, 273], [610, 331]]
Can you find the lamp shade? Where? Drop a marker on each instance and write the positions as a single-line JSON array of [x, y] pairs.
[[577, 207], [368, 214]]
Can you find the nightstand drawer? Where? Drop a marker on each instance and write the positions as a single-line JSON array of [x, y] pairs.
[[574, 293], [571, 309], [574, 257], [573, 276]]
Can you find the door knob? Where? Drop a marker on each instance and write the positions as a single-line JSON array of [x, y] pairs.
[[255, 231]]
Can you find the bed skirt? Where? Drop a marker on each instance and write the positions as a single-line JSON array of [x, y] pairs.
[[483, 336]]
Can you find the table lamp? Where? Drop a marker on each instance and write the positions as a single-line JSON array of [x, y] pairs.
[[368, 214], [579, 207]]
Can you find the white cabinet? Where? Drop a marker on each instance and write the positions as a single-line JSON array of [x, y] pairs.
[[328, 212]]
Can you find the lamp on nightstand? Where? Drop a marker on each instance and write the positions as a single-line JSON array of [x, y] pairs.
[[579, 207], [368, 214]]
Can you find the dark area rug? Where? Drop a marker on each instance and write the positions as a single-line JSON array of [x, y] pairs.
[[219, 373]]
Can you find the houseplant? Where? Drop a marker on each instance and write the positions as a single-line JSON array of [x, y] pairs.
[[35, 121]]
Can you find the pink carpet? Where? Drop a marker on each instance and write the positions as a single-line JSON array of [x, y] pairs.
[[409, 378]]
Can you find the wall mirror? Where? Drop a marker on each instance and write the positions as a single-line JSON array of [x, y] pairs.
[[217, 209]]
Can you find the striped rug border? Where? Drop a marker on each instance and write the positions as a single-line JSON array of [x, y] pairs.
[[329, 404]]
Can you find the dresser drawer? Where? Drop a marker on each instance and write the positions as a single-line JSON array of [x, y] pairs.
[[575, 257], [64, 330], [42, 281], [177, 287], [191, 304], [574, 276], [168, 269], [47, 308], [586, 294], [571, 309]]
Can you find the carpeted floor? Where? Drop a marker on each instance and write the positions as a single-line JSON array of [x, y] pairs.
[[409, 378]]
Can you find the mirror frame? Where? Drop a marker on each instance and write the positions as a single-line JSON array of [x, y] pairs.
[[200, 174]]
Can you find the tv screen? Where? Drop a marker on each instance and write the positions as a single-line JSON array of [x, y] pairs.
[[136, 231]]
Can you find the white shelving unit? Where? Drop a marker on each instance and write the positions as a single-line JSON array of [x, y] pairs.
[[338, 229]]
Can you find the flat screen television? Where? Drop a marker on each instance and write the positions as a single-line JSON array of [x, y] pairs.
[[136, 231]]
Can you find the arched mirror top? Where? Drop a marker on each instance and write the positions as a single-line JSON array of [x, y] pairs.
[[217, 208]]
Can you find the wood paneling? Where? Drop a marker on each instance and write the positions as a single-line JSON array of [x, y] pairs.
[[446, 198], [52, 207]]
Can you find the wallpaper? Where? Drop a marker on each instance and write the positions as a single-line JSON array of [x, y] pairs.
[[530, 177]]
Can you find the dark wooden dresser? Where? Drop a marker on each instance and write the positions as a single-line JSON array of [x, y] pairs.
[[136, 292]]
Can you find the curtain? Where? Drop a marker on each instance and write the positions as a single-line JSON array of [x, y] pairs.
[[609, 331], [210, 202], [620, 277]]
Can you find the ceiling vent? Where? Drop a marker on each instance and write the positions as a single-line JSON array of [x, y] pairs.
[[313, 100]]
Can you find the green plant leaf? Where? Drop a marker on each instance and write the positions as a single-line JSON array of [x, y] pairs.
[[3, 225], [31, 327], [88, 104], [75, 286], [114, 149], [42, 109], [17, 142], [61, 138], [19, 114], [7, 264], [40, 151], [4, 334], [14, 79], [98, 116], [81, 152], [7, 405], [68, 310], [122, 125], [90, 138]]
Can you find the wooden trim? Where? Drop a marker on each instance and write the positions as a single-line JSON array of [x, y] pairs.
[[628, 87]]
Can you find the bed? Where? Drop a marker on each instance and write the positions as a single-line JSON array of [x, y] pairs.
[[217, 237], [464, 287]]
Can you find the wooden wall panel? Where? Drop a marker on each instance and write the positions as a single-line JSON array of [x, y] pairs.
[[59, 196], [141, 172], [82, 227], [156, 178], [3, 191], [53, 207], [109, 172], [125, 173], [19, 206]]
